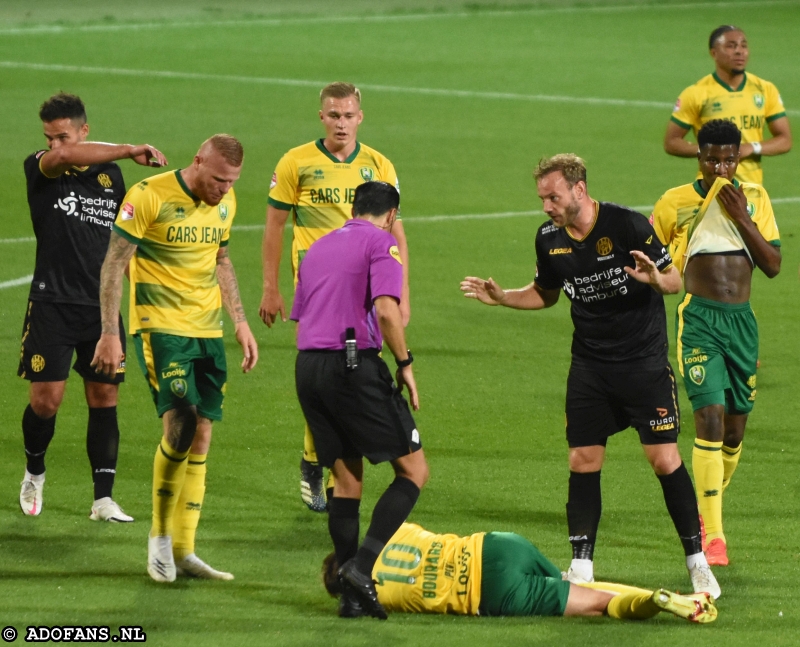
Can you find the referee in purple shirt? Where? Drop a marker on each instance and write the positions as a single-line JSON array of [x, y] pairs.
[[346, 305]]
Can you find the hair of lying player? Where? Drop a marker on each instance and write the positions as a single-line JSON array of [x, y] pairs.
[[572, 167], [339, 90], [719, 31], [719, 132], [375, 199], [63, 106], [330, 575]]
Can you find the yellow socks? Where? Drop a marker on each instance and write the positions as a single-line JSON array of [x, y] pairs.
[[309, 450], [169, 470], [707, 465], [190, 503], [730, 459], [633, 606]]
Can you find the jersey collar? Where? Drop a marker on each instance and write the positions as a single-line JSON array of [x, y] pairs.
[[184, 187], [327, 153], [726, 86], [698, 186], [591, 229]]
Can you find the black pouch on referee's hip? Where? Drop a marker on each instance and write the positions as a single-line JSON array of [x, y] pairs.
[[351, 349]]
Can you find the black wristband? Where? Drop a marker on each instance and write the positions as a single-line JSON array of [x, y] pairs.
[[402, 363]]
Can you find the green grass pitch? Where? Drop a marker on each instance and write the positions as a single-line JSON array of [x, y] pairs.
[[491, 381]]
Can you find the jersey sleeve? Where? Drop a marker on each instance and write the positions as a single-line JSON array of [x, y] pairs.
[[229, 220], [389, 175], [138, 211], [764, 216], [545, 277], [385, 269], [664, 219], [283, 187], [686, 112], [33, 171], [773, 104], [643, 237]]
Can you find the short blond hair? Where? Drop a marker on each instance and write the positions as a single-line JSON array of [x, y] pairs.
[[228, 146], [339, 90], [572, 167]]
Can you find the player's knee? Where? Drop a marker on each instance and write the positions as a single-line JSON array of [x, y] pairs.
[[45, 404], [664, 459], [101, 396], [708, 422], [182, 428]]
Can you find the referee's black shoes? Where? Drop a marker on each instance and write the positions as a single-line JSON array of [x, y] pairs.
[[361, 585]]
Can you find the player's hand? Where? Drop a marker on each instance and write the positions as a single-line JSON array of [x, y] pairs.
[[146, 155], [405, 377], [107, 355], [735, 203], [271, 307], [248, 344], [488, 292], [645, 270]]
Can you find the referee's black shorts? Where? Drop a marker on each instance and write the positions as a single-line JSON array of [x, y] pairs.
[[354, 413], [601, 403]]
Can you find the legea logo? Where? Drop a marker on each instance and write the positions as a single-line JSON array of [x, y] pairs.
[[69, 205]]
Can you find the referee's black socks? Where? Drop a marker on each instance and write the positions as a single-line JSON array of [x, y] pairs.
[[681, 501], [584, 507], [102, 446], [343, 527], [390, 512], [37, 433]]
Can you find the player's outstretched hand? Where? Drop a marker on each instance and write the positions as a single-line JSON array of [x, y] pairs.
[[107, 355], [271, 307], [735, 203], [146, 155], [248, 344], [645, 270], [488, 292], [405, 377]]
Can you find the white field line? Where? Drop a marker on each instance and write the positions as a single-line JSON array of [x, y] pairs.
[[414, 219], [380, 18], [265, 80]]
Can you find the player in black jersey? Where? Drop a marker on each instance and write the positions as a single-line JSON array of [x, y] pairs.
[[74, 193], [614, 270]]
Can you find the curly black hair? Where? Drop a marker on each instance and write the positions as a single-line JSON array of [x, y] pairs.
[[63, 106], [719, 132]]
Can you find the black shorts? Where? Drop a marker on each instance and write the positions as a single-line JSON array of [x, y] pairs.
[[354, 413], [601, 403], [52, 332]]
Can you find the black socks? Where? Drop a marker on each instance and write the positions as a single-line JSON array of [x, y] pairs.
[[37, 433], [681, 503], [102, 446], [584, 506]]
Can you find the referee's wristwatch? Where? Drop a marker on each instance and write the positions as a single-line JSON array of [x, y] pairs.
[[402, 363]]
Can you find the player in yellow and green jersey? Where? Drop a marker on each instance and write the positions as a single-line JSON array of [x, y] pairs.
[[173, 229], [732, 94], [316, 183], [718, 231], [498, 574]]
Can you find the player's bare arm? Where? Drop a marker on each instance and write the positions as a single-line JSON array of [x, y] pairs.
[[402, 246], [391, 325], [666, 282], [675, 144], [61, 158], [271, 250], [781, 141], [229, 289], [108, 354], [766, 257], [531, 297]]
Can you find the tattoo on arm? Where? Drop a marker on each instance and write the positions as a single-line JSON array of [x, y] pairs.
[[119, 254], [229, 287]]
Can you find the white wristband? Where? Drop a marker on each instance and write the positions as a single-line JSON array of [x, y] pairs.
[[756, 148]]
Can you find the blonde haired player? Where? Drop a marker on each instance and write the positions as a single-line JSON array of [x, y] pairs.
[[316, 183]]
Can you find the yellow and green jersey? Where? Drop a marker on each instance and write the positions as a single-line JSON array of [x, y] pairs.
[[173, 274], [422, 572], [319, 189], [678, 212], [750, 106]]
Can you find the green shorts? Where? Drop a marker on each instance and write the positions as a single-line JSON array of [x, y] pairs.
[[717, 353], [517, 580], [184, 371]]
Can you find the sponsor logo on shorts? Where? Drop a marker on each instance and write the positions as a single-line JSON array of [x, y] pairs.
[[697, 374], [127, 211], [395, 254], [751, 381], [561, 250], [415, 436], [37, 363], [367, 173], [178, 387], [223, 211], [695, 359], [752, 395], [604, 246], [173, 372], [664, 422]]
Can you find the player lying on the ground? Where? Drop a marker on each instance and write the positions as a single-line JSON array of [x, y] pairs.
[[498, 574]]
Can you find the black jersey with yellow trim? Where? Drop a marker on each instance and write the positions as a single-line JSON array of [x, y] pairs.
[[618, 320], [72, 217]]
